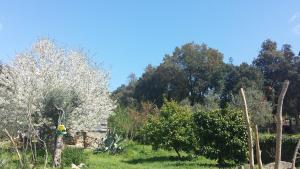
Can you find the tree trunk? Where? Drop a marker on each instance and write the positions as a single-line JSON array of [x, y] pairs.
[[177, 151], [58, 150], [249, 131], [279, 124], [258, 152], [295, 155]]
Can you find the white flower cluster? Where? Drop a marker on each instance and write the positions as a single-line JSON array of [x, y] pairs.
[[26, 82]]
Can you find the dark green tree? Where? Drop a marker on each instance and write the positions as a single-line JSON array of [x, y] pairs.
[[245, 76], [124, 95], [165, 81], [277, 66], [202, 67]]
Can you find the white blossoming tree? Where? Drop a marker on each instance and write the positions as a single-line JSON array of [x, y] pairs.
[[27, 83]]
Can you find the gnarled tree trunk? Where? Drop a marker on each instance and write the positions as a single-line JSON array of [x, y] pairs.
[[249, 131], [58, 150], [279, 123]]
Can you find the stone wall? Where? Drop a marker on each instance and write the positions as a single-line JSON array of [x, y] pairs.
[[89, 139]]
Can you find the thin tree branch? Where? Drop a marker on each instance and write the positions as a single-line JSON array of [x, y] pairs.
[[16, 148]]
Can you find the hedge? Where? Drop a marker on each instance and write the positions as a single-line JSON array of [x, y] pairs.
[[267, 145]]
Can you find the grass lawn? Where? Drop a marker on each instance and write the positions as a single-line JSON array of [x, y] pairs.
[[143, 157], [135, 156]]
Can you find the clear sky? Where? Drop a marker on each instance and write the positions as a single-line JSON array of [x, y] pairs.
[[126, 36]]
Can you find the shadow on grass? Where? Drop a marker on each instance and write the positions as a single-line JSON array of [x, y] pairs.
[[183, 161], [205, 165], [157, 159]]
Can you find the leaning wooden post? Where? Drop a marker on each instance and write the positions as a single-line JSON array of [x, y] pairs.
[[295, 155], [279, 123], [249, 131], [258, 152], [16, 148]]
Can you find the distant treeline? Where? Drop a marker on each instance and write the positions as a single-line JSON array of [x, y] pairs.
[[194, 71]]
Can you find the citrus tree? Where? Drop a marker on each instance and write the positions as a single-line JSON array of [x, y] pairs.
[[171, 129]]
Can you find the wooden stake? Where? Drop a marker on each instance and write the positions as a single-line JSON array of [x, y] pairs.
[[249, 131], [279, 123], [295, 155], [258, 152]]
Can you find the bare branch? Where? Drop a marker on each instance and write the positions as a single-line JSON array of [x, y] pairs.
[[15, 146]]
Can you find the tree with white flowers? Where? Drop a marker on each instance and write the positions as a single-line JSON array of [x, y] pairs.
[[80, 100]]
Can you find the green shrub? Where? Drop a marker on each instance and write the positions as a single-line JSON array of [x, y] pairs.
[[172, 129], [267, 145], [73, 155], [222, 135]]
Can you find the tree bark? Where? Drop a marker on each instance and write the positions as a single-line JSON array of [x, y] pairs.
[[295, 155], [279, 124], [249, 131], [177, 151], [58, 150], [16, 148], [258, 152]]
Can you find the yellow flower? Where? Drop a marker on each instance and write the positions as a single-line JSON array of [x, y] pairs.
[[61, 127]]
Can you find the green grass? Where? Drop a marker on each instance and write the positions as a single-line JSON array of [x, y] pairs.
[[143, 157], [135, 156]]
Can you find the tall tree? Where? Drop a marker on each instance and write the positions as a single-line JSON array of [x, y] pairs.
[[167, 80], [277, 66], [124, 95], [202, 66], [242, 76]]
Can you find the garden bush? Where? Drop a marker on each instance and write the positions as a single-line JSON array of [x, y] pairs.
[[222, 135], [267, 145], [171, 129], [72, 155]]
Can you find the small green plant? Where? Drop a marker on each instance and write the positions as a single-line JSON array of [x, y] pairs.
[[2, 163], [72, 155], [111, 144]]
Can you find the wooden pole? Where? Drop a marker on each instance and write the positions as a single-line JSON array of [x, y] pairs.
[[249, 131], [279, 123], [258, 152], [295, 155]]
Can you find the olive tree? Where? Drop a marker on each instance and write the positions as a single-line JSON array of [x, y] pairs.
[[33, 75]]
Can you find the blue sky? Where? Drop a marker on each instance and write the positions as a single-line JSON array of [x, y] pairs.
[[126, 36]]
